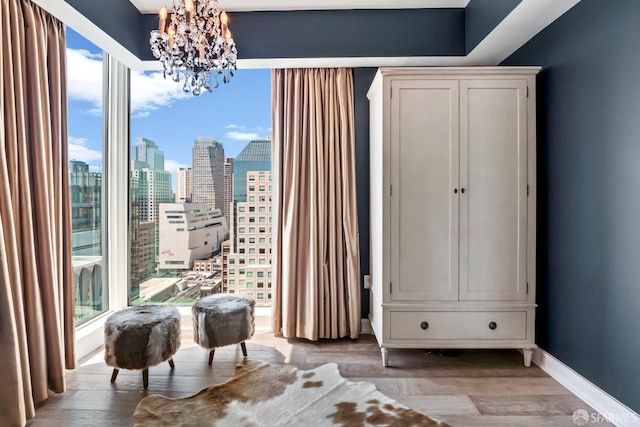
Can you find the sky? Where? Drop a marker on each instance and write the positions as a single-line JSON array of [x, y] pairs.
[[236, 113]]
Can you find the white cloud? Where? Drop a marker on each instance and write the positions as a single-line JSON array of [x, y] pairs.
[[242, 136], [84, 71], [235, 126], [141, 114], [78, 150], [151, 90], [172, 166]]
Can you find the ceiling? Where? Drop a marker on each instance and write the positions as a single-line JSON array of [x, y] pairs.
[[153, 6], [331, 33]]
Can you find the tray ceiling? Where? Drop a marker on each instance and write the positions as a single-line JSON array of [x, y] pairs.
[[153, 6]]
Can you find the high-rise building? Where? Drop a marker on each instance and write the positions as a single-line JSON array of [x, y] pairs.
[[86, 238], [249, 266], [154, 182], [228, 188], [155, 188], [189, 232], [147, 151], [150, 186], [184, 185], [225, 251], [208, 172], [143, 254], [255, 156], [86, 194]]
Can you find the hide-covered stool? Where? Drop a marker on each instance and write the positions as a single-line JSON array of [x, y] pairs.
[[140, 337], [222, 319]]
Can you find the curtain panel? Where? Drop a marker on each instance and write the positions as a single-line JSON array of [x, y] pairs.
[[316, 261], [36, 273]]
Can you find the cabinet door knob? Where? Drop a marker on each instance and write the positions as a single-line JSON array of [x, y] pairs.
[[455, 191], [462, 190], [493, 325], [424, 325]]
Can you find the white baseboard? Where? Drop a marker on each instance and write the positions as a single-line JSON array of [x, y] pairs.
[[90, 336], [608, 408], [365, 326]]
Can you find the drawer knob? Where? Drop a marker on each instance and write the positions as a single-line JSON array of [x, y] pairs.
[[424, 325], [493, 325]]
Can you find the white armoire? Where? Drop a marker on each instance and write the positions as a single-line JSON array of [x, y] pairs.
[[453, 205]]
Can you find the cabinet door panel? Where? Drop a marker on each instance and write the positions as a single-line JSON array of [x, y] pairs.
[[493, 208], [424, 171]]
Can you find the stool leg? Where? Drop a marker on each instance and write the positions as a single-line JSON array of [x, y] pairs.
[[171, 364], [145, 377], [211, 356], [114, 375], [244, 349]]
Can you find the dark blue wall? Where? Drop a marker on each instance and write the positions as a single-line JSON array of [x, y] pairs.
[[589, 192], [362, 78], [119, 19], [482, 16], [340, 33]]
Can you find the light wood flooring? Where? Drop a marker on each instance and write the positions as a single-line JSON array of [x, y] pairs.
[[474, 388]]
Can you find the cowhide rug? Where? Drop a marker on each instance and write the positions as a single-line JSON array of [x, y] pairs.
[[260, 394]]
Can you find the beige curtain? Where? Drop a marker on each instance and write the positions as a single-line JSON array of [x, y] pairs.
[[316, 261], [36, 275]]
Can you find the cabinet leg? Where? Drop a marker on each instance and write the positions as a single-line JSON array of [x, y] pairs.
[[385, 356], [528, 355]]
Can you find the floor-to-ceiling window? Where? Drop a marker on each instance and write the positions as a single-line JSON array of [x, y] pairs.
[[200, 168], [85, 78]]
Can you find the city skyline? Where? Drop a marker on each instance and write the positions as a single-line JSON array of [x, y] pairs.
[[235, 113]]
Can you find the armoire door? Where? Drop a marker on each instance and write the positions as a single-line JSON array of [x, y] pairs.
[[424, 148], [493, 198]]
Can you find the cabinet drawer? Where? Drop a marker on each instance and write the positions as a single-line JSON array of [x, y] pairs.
[[458, 325]]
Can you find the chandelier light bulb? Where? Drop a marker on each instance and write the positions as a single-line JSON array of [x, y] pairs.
[[195, 46], [172, 33], [163, 18], [188, 9]]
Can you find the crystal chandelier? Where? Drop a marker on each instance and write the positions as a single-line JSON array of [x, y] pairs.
[[196, 43]]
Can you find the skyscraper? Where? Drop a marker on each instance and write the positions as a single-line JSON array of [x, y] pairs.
[[86, 239], [228, 187], [208, 172], [86, 192], [246, 258], [248, 268], [154, 188], [184, 185], [255, 156], [147, 151], [150, 186]]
